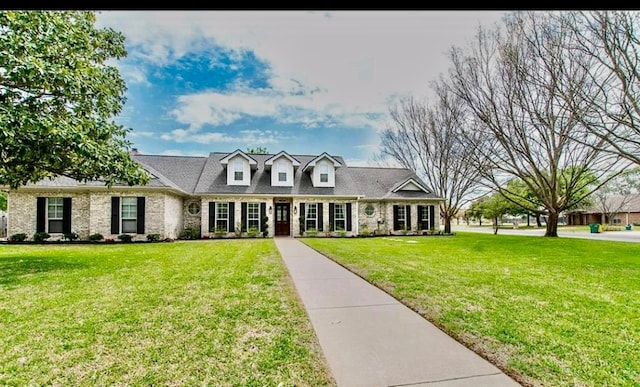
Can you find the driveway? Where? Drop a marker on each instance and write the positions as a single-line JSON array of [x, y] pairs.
[[620, 236]]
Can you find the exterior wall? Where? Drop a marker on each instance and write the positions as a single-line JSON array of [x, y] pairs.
[[275, 169], [586, 219], [204, 211], [22, 207], [100, 212], [246, 171], [173, 216], [382, 219], [325, 214]]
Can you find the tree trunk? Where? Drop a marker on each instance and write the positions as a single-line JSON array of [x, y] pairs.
[[447, 224], [495, 226], [528, 221], [552, 225], [538, 220]]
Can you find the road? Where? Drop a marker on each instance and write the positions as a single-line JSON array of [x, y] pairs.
[[620, 236]]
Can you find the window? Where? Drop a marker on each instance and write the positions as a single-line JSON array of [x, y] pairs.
[[424, 216], [369, 210], [55, 208], [194, 208], [238, 174], [129, 213], [311, 217], [402, 217], [324, 173], [222, 215], [616, 219], [253, 215], [339, 217], [282, 171]]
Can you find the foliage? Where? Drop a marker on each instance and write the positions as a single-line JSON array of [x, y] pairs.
[[3, 201], [265, 221], [311, 232], [364, 230], [71, 236], [190, 233], [257, 150], [57, 100], [41, 236], [253, 232], [125, 237], [96, 237], [19, 237], [153, 237], [219, 232]]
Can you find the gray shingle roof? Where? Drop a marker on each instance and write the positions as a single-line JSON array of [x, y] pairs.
[[206, 175]]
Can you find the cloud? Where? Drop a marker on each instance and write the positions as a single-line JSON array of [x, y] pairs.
[[325, 68], [253, 137], [177, 152]]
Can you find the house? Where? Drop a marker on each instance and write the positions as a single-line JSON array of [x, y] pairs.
[[615, 209], [226, 193]]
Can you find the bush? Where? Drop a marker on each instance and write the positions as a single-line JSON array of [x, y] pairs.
[[96, 237], [190, 233], [153, 237], [220, 232], [253, 232], [20, 237], [311, 232], [125, 237], [41, 236], [71, 236]]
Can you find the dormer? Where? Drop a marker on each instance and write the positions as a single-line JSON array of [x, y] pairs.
[[282, 167], [322, 170], [410, 185], [239, 166]]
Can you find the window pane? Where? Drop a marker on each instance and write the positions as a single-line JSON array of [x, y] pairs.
[[340, 224], [129, 226], [369, 210], [311, 211], [339, 211], [194, 208], [129, 208], [55, 226], [324, 177], [238, 175], [401, 213], [253, 215], [282, 176], [222, 210], [425, 213], [54, 208]]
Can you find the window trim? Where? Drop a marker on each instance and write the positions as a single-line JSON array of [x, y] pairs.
[[324, 172], [402, 220], [189, 208], [343, 219], [249, 218], [218, 207], [282, 172], [307, 218], [130, 218], [48, 219], [373, 211], [427, 210], [238, 173]]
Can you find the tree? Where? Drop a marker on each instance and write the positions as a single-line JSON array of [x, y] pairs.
[[520, 86], [57, 99], [612, 40], [426, 139], [257, 150], [495, 207]]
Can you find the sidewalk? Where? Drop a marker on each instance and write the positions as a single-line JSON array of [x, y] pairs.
[[370, 339]]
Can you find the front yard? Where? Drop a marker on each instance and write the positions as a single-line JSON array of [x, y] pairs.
[[184, 313], [548, 311]]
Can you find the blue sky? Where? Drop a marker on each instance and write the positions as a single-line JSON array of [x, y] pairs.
[[305, 82]]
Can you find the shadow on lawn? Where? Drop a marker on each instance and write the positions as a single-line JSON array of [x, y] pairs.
[[12, 269]]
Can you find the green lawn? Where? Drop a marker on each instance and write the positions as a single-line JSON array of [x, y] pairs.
[[220, 313], [548, 311]]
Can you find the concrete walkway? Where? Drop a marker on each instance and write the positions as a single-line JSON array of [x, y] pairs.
[[370, 339]]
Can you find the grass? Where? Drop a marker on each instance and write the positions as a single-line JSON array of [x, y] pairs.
[[548, 311], [185, 313]]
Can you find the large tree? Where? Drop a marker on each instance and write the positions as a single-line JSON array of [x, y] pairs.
[[426, 138], [58, 98], [519, 84]]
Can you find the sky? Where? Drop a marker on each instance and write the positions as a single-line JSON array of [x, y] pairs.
[[304, 82]]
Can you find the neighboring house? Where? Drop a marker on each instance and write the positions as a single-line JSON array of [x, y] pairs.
[[279, 194], [617, 209]]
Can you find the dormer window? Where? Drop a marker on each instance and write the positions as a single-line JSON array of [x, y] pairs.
[[238, 169], [324, 173], [282, 171]]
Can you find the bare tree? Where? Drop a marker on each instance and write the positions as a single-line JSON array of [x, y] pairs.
[[611, 40], [517, 86], [427, 140]]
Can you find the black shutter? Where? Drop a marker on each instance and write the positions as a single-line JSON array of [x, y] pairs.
[[140, 215], [66, 215], [115, 215], [263, 216], [232, 217], [396, 224], [302, 223], [243, 213], [432, 214], [41, 209], [320, 217], [408, 217], [212, 216], [348, 216], [332, 226]]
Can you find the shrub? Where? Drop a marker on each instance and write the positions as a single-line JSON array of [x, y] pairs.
[[19, 237], [220, 232], [153, 237], [71, 236], [311, 232], [96, 237], [364, 230], [341, 232], [125, 237], [190, 233], [41, 236], [253, 232]]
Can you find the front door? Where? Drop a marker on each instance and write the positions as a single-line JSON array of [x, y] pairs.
[[282, 219]]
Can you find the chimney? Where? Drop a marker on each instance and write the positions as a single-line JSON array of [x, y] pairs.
[[134, 151]]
